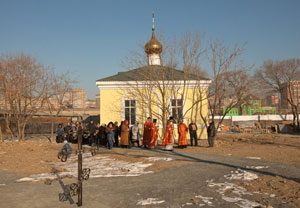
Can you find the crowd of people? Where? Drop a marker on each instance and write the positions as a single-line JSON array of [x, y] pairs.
[[115, 135]]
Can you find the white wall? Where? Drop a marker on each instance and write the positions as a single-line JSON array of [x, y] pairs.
[[262, 118]]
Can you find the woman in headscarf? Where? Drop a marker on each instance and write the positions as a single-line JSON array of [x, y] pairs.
[[135, 134], [125, 134], [110, 134]]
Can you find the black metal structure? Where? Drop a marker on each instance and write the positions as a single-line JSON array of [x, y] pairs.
[[83, 174]]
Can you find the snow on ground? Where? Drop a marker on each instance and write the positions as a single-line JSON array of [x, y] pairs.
[[100, 167], [237, 191], [149, 201], [254, 158], [221, 188], [243, 203], [167, 159], [257, 167], [240, 174], [206, 200]]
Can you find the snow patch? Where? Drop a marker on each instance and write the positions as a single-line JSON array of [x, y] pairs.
[[257, 167], [238, 191], [167, 159], [149, 201], [100, 167], [254, 158], [243, 203], [224, 187], [240, 174], [205, 199]]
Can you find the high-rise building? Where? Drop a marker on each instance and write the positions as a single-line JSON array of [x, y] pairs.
[[76, 98], [98, 101], [272, 100], [290, 92]]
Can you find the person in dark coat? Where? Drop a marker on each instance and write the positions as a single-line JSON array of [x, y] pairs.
[[91, 127], [102, 135], [211, 134], [193, 132], [68, 131], [60, 134], [116, 134], [97, 138], [79, 131]]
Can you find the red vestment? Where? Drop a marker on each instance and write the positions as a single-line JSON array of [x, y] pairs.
[[154, 134], [168, 136], [182, 130], [147, 133]]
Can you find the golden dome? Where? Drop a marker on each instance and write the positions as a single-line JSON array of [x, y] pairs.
[[153, 46]]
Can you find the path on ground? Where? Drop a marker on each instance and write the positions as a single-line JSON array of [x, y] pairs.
[[196, 184]]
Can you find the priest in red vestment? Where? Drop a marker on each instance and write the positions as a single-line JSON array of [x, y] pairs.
[[168, 136], [154, 134], [147, 133], [182, 130]]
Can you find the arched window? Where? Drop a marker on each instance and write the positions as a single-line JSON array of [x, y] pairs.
[[130, 107], [130, 111]]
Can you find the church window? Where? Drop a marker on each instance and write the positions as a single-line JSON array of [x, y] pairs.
[[130, 111], [176, 105]]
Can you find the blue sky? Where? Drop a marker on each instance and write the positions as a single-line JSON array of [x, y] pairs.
[[90, 38]]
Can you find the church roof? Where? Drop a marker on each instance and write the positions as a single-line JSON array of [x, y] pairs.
[[152, 72]]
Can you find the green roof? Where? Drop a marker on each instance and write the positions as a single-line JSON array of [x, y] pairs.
[[153, 72]]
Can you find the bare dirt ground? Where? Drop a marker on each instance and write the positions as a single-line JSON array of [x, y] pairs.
[[285, 190], [279, 148], [28, 157], [33, 156]]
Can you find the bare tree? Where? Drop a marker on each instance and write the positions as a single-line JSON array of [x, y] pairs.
[[5, 94], [282, 77], [58, 96], [161, 83], [230, 80], [24, 87]]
